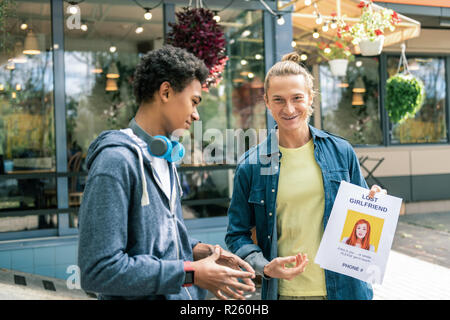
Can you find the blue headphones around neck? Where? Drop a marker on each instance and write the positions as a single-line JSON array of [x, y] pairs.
[[159, 146]]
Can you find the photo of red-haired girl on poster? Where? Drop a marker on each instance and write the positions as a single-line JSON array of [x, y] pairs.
[[360, 236]]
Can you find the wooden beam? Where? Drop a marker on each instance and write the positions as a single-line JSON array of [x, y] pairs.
[[281, 7], [306, 43], [312, 4], [349, 19]]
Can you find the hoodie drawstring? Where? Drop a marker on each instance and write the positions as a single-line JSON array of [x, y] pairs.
[[145, 199]]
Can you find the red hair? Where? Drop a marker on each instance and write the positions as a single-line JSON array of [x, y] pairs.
[[365, 242]]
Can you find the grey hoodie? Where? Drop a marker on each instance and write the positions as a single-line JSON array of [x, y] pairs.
[[132, 238]]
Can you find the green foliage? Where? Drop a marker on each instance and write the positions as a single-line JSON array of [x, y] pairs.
[[405, 95], [7, 10], [337, 49], [372, 23]]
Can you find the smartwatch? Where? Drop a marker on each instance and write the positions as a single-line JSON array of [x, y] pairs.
[[189, 274]]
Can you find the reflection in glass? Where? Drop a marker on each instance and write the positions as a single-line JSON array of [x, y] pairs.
[[350, 106], [26, 96], [205, 193], [236, 103], [27, 141], [429, 124], [99, 66], [25, 194]]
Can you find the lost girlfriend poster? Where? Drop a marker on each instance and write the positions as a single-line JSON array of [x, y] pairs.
[[359, 233]]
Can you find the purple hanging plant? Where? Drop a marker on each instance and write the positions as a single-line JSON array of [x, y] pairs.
[[197, 32]]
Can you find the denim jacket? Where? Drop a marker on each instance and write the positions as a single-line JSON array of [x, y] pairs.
[[253, 204]]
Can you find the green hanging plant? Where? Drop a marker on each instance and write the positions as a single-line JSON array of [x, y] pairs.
[[405, 93]]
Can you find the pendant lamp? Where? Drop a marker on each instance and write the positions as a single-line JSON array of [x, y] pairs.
[[113, 72], [31, 45], [111, 85]]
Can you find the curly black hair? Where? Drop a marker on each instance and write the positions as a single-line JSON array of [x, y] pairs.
[[172, 64]]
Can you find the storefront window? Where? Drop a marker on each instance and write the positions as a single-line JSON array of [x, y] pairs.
[[105, 41], [429, 124], [350, 104], [234, 110], [101, 54], [27, 136]]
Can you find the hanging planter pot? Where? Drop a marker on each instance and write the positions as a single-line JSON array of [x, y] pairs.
[[371, 48], [338, 67], [405, 93]]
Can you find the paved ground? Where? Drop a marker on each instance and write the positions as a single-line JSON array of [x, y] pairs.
[[424, 236], [15, 285], [408, 278]]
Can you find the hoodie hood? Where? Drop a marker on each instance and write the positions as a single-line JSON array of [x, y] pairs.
[[115, 138], [106, 139]]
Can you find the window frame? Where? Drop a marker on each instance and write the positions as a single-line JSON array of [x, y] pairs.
[[384, 77], [381, 109]]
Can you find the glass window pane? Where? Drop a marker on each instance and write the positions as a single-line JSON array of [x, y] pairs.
[[349, 105], [236, 103], [26, 92], [429, 124], [27, 141], [20, 194], [205, 193]]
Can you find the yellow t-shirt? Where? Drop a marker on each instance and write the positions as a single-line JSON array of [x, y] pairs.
[[300, 207]]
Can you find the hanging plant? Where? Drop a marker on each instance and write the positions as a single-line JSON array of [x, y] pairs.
[[372, 22], [337, 49], [405, 93], [369, 31], [197, 32], [338, 54]]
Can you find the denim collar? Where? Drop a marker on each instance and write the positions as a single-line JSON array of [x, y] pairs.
[[270, 145]]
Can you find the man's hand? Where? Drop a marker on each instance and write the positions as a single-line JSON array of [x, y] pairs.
[[227, 259], [202, 251], [277, 267], [222, 280], [232, 261], [376, 189]]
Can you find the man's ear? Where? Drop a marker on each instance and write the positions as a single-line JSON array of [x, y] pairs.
[[165, 90]]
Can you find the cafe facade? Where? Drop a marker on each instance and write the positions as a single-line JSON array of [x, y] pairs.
[[76, 83]]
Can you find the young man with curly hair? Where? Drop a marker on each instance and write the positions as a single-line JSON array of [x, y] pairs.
[[133, 243]]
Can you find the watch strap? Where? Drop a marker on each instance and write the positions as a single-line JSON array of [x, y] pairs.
[[189, 274]]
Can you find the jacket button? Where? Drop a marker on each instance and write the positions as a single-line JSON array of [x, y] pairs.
[[262, 201], [273, 190], [268, 237], [270, 213]]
